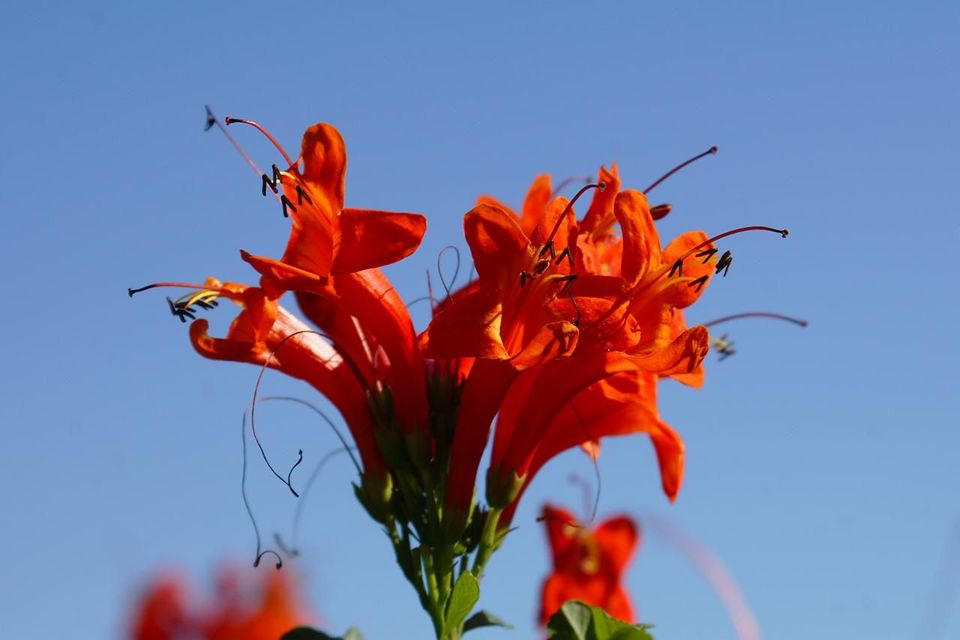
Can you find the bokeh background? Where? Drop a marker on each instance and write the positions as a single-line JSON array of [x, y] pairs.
[[822, 463]]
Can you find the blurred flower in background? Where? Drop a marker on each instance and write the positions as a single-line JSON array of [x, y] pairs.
[[248, 604], [588, 564]]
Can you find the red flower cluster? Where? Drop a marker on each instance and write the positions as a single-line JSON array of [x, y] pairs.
[[561, 339], [261, 607]]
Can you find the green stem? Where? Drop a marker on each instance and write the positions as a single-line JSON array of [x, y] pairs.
[[488, 542], [437, 604]]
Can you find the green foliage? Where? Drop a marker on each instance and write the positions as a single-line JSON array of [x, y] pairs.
[[484, 619], [465, 594], [579, 621], [306, 633]]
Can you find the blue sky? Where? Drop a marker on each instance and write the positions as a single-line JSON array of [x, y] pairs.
[[822, 463]]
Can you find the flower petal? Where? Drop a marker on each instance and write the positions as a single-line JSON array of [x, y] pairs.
[[466, 326], [535, 204], [599, 216], [641, 242], [617, 538], [324, 156], [553, 340], [683, 355], [496, 242], [375, 238]]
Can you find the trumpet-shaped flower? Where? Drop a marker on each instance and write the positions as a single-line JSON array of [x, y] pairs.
[[331, 261], [588, 563]]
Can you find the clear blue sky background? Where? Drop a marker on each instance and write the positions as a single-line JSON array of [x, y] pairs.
[[822, 463]]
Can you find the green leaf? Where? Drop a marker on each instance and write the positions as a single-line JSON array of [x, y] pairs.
[[484, 619], [573, 621], [306, 633], [578, 621], [465, 594]]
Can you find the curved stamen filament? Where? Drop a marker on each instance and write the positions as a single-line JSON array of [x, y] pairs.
[[709, 152], [180, 285], [567, 182], [566, 210], [646, 283], [212, 120], [756, 314], [757, 227], [259, 127]]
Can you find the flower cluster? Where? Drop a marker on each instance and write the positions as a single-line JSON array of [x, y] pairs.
[[559, 342], [246, 607]]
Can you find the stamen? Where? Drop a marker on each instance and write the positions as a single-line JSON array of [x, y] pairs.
[[706, 254], [660, 211], [726, 234], [757, 314], [258, 127], [211, 121], [724, 263], [572, 525], [181, 312], [699, 283], [600, 185], [567, 182], [271, 182], [246, 502], [709, 152], [678, 267], [285, 201], [723, 346], [302, 195]]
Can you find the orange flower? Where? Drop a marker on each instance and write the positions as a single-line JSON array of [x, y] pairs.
[[260, 608], [264, 333], [618, 320], [530, 434], [588, 565], [331, 259]]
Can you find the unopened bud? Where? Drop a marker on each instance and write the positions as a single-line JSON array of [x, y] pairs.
[[503, 487]]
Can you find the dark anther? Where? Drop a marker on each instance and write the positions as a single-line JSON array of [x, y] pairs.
[[724, 347], [660, 211], [285, 201], [676, 268], [524, 276], [206, 304], [567, 282], [724, 263], [785, 233], [211, 119], [573, 301], [302, 195], [181, 310], [699, 283], [271, 182], [706, 254], [547, 248], [564, 254], [540, 267]]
